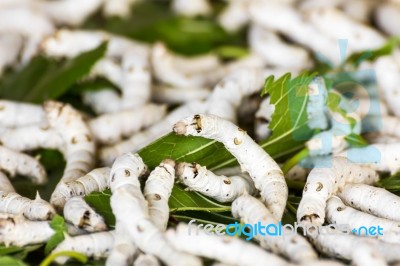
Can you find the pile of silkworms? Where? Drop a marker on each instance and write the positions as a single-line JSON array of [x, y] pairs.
[[160, 91]]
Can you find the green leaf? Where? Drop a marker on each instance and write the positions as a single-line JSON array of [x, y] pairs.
[[333, 103], [371, 55], [179, 201], [58, 224], [20, 252], [231, 52], [72, 254], [10, 261], [289, 120], [356, 140], [204, 217], [46, 78], [391, 183]]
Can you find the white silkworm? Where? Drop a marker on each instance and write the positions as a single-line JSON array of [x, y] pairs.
[[375, 138], [79, 144], [146, 260], [5, 183], [164, 70], [95, 180], [338, 213], [265, 172], [235, 15], [382, 157], [119, 8], [192, 8], [10, 47], [31, 137], [263, 118], [157, 191], [103, 101], [15, 114], [327, 142], [251, 211], [80, 214], [387, 73], [139, 140], [373, 200], [275, 51], [297, 173], [229, 250], [15, 230], [284, 18], [96, 245], [342, 245], [387, 18], [30, 24], [35, 210], [123, 250], [365, 255], [323, 182], [328, 19], [126, 194], [222, 188], [110, 128], [18, 163], [170, 95]]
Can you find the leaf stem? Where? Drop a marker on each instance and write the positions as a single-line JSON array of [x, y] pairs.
[[78, 256], [289, 164]]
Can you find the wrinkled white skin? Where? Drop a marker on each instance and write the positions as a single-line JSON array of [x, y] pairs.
[[95, 180], [30, 24], [344, 246], [387, 73], [337, 25], [323, 182], [382, 157], [390, 125], [372, 200], [229, 250], [265, 172], [227, 95], [275, 51], [16, 114], [80, 214], [338, 213], [14, 162], [16, 230], [235, 15], [126, 194], [157, 191], [366, 255], [34, 210], [5, 183], [110, 128], [222, 188], [323, 263], [286, 19], [191, 8], [10, 47], [31, 137], [108, 68], [139, 140], [95, 245], [387, 17], [327, 142], [118, 8], [171, 95], [79, 143], [263, 118], [251, 211], [123, 250], [196, 64]]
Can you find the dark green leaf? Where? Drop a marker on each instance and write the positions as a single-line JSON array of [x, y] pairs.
[[371, 55], [204, 217], [45, 78], [356, 140], [58, 224], [101, 202]]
